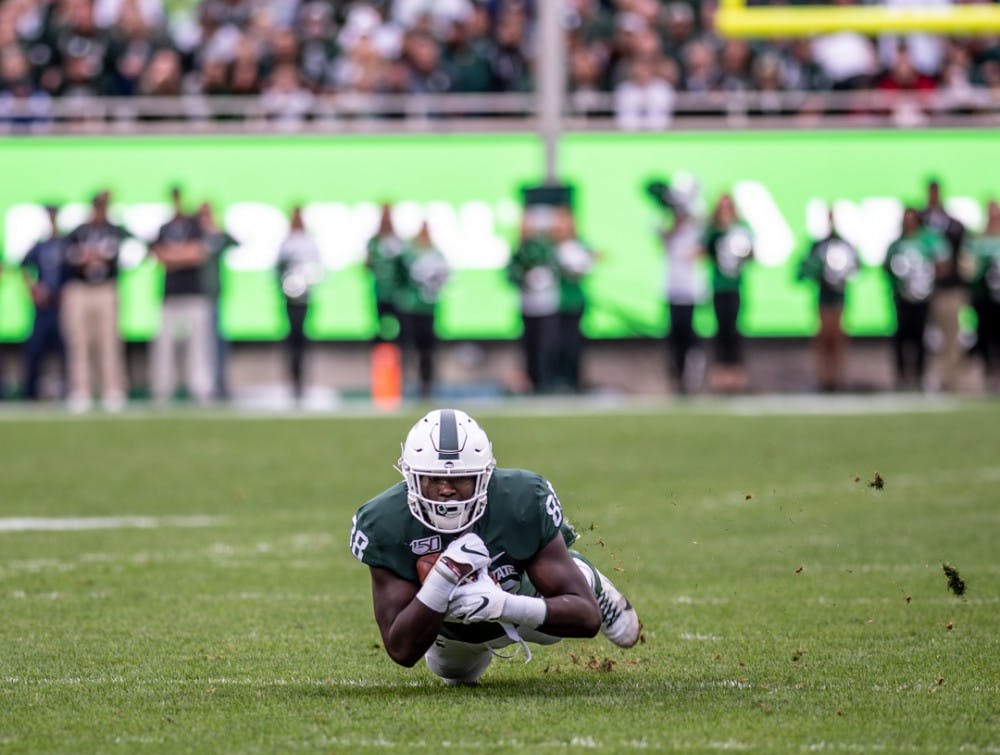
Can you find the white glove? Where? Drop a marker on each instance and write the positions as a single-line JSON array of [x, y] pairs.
[[462, 558], [480, 599], [483, 600]]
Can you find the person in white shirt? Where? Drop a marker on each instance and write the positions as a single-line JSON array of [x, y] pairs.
[[299, 269], [643, 102], [685, 285]]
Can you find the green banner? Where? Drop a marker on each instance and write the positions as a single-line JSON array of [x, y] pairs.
[[468, 188]]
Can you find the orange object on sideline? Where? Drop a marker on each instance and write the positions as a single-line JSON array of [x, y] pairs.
[[387, 376]]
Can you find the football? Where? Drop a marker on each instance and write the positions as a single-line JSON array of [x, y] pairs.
[[425, 564]]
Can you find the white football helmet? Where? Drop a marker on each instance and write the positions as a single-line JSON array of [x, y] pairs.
[[446, 443]]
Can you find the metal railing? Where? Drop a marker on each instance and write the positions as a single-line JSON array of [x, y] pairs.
[[511, 112]]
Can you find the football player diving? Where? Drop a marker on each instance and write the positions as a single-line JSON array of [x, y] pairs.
[[467, 558]]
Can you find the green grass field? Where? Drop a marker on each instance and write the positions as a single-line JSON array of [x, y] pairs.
[[788, 606]]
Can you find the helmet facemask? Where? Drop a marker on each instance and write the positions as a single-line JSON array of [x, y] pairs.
[[446, 443]]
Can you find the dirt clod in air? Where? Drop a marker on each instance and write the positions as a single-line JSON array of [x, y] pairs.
[[877, 482], [955, 582]]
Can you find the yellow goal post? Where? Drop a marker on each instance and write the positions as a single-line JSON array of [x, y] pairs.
[[735, 18]]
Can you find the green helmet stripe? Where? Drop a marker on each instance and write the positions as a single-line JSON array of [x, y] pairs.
[[448, 440]]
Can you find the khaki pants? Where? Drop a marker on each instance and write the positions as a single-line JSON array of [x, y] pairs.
[[945, 306], [188, 320], [90, 327]]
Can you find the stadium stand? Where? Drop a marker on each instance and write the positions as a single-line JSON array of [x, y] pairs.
[[295, 64]]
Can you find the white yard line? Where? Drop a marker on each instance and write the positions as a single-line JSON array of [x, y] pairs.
[[760, 405], [75, 524]]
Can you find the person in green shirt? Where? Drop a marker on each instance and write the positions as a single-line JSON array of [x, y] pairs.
[[910, 264], [533, 268], [980, 263], [729, 245], [382, 259], [422, 273], [466, 558], [830, 263], [574, 260]]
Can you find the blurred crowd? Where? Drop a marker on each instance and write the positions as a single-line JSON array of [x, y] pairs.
[[643, 52]]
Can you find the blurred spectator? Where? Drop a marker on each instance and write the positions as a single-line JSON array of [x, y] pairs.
[[187, 308], [245, 70], [89, 313], [423, 271], [678, 29], [533, 268], [800, 71], [950, 294], [162, 76], [132, 47], [299, 269], [643, 101], [110, 13], [908, 90], [729, 246], [586, 74], [467, 52], [222, 13], [685, 287], [424, 72], [575, 261], [958, 93], [735, 65], [316, 41], [910, 262], [925, 51], [216, 243], [508, 62], [831, 263], [44, 269], [847, 58], [81, 49], [438, 14], [382, 259], [982, 269], [700, 68], [285, 100], [23, 105]]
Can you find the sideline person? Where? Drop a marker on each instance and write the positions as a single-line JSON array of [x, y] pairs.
[[467, 558], [44, 272], [831, 262], [89, 311]]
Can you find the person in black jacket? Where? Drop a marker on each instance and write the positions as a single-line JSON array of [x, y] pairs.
[[44, 270], [950, 291], [89, 311]]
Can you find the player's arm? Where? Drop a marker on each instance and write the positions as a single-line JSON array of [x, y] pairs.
[[409, 616], [570, 607], [408, 627]]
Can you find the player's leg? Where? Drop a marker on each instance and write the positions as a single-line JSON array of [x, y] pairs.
[[619, 621], [457, 662]]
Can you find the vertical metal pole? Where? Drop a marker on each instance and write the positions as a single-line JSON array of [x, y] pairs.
[[550, 75]]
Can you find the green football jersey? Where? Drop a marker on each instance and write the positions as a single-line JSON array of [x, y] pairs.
[[985, 253], [382, 259], [730, 249], [910, 261], [522, 516]]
